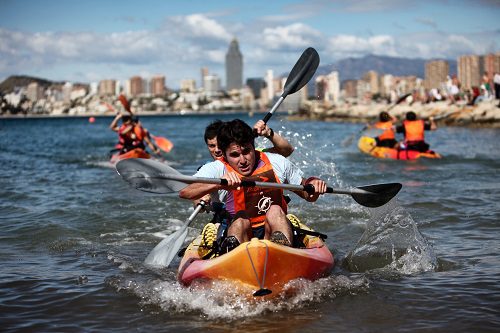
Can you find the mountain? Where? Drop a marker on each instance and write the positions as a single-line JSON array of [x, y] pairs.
[[16, 81], [355, 68]]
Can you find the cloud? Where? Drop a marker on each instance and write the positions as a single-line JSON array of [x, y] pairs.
[[292, 36], [349, 45], [198, 26], [427, 22]]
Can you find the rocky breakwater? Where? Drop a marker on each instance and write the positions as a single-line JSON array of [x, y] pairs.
[[484, 114]]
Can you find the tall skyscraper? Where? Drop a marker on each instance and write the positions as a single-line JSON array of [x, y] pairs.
[[234, 66]]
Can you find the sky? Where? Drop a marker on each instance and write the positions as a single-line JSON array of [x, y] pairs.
[[91, 40]]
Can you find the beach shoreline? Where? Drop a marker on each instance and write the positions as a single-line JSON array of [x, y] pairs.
[[483, 115]]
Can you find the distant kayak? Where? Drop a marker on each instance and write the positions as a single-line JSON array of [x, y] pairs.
[[258, 264], [368, 146], [134, 153]]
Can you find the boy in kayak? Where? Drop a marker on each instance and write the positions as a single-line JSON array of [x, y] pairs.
[[388, 137], [131, 134], [255, 212], [413, 130]]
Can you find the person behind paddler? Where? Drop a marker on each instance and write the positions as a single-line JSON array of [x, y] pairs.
[[254, 212], [413, 130], [131, 134], [388, 136]]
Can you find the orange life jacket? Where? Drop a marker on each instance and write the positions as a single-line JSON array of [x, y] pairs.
[[388, 132], [131, 135], [257, 201], [414, 130]]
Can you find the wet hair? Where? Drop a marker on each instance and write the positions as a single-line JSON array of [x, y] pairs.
[[384, 116], [234, 131], [411, 116], [126, 118], [212, 129]]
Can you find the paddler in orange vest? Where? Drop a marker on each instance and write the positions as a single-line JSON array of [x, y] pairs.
[[255, 212], [388, 137], [413, 130], [131, 134]]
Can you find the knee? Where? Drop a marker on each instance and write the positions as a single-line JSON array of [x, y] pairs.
[[240, 224], [274, 214]]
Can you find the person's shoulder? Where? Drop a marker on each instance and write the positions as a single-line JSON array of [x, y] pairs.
[[275, 157]]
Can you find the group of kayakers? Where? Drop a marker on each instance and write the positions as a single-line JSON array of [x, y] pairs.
[[412, 128]]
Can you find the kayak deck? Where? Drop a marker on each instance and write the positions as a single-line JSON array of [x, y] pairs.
[[258, 264]]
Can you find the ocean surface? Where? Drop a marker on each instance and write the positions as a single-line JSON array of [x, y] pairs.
[[74, 235]]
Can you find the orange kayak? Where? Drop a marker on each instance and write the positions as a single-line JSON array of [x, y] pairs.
[[258, 264], [134, 153], [368, 146]]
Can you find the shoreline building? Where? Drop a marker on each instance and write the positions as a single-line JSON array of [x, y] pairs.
[[234, 66], [436, 73]]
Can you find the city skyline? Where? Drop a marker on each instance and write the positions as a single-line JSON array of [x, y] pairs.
[[97, 40]]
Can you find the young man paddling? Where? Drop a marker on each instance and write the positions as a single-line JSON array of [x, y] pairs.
[[131, 134], [413, 130], [255, 212]]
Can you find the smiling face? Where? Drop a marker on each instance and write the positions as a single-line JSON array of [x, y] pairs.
[[241, 158], [213, 148]]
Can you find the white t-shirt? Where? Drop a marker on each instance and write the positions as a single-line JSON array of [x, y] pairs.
[[285, 170]]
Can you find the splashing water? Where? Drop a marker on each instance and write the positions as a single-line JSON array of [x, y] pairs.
[[222, 300], [391, 243]]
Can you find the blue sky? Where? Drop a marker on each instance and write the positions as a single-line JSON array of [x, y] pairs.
[[91, 40]]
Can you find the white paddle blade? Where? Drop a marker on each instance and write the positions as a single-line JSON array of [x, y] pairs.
[[148, 175], [163, 253]]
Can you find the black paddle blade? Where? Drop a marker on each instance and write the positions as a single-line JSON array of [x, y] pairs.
[[376, 195], [262, 292], [148, 175], [302, 72]]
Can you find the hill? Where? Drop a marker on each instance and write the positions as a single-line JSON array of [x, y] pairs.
[[354, 68]]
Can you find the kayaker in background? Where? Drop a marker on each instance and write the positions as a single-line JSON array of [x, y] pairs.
[[255, 212], [413, 130], [131, 134], [388, 137]]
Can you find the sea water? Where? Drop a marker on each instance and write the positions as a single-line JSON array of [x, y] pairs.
[[74, 235]]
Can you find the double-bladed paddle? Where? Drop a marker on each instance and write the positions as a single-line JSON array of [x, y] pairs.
[[156, 177], [301, 73]]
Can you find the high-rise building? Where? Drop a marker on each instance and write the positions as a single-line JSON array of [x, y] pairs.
[[371, 78], [158, 85], [436, 73], [491, 65], [34, 91], [136, 86], [188, 85], [234, 66], [204, 72], [107, 87], [333, 91], [351, 88], [469, 71], [269, 83], [211, 84]]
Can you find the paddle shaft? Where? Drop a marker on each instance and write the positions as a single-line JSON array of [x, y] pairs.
[[250, 183]]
